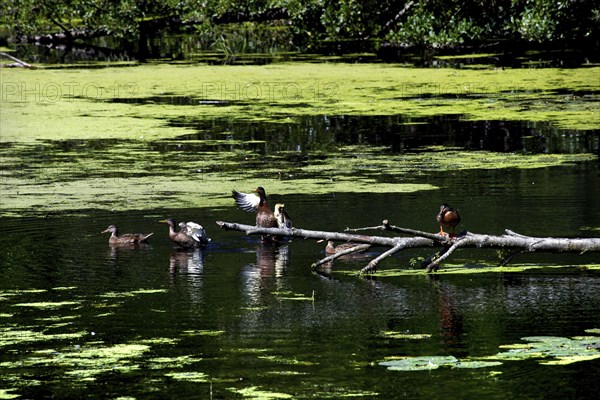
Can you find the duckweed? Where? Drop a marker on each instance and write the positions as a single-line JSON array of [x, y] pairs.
[[198, 377], [142, 138], [254, 392], [48, 305], [404, 335]]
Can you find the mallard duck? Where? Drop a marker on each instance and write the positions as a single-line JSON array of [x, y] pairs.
[[331, 248], [448, 217], [190, 234], [283, 219], [127, 238], [257, 203]]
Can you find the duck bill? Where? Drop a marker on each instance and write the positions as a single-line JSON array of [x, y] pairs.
[[163, 221]]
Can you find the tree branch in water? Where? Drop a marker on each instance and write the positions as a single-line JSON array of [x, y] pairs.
[[510, 240]]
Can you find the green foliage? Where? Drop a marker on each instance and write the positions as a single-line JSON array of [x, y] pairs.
[[419, 23]]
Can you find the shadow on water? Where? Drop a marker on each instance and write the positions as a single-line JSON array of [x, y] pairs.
[[399, 133]]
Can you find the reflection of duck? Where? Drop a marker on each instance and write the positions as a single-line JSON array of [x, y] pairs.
[[448, 217], [126, 238], [283, 219], [189, 262], [190, 234]]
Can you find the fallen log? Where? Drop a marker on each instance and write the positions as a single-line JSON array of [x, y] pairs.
[[17, 63], [510, 240]]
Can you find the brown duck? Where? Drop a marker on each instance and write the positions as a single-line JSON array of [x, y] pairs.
[[257, 202], [190, 234], [126, 238], [331, 248], [448, 217]]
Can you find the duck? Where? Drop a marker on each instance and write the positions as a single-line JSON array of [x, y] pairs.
[[190, 234], [257, 202], [448, 217], [331, 248], [283, 219], [126, 238]]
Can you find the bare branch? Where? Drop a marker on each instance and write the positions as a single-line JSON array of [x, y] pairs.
[[510, 240], [372, 266], [18, 63]]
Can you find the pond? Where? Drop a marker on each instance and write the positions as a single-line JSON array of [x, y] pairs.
[[239, 319]]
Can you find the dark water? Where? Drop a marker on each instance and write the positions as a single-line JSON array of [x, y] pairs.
[[239, 318], [328, 347]]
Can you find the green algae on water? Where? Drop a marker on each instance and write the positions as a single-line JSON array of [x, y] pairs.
[[5, 394], [254, 392], [199, 377], [48, 305], [404, 335], [126, 112]]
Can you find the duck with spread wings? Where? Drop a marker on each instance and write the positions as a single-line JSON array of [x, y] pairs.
[[257, 202]]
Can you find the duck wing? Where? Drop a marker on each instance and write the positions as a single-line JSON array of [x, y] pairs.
[[247, 202], [196, 232]]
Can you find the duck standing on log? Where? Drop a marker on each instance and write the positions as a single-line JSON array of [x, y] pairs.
[[257, 202], [126, 238], [283, 219], [190, 234], [448, 217]]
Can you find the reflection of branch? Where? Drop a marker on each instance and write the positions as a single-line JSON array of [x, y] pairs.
[[510, 240]]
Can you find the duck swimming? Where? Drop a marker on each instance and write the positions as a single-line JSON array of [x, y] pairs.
[[126, 238], [331, 248]]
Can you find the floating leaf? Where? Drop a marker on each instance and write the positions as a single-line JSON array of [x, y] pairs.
[[419, 363], [564, 350], [476, 364]]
